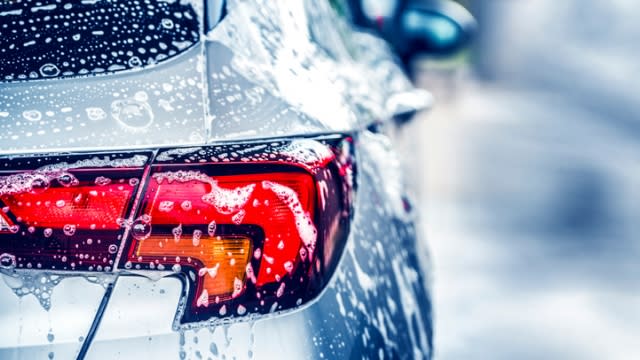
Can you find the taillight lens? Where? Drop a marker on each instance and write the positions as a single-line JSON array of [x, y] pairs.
[[66, 214], [89, 204], [253, 228]]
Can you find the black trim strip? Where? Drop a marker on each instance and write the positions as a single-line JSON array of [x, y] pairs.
[[96, 321]]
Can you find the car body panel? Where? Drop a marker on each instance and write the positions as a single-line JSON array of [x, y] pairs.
[[32, 332]]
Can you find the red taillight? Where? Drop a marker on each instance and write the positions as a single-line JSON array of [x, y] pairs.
[[249, 228], [195, 218], [187, 197], [86, 205], [66, 214]]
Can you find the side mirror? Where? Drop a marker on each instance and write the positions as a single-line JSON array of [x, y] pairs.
[[431, 28], [417, 27]]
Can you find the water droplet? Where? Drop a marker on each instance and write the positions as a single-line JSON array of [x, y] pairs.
[[288, 266], [274, 307], [250, 273], [48, 232], [49, 70], [177, 233], [165, 206], [242, 310], [134, 181], [141, 96], [237, 218], [211, 228], [50, 336], [69, 229], [167, 87], [197, 234], [167, 23], [203, 299], [132, 114], [39, 184], [32, 115], [66, 180], [213, 347], [102, 181], [212, 271], [96, 113], [141, 228], [186, 205], [7, 261], [112, 249], [60, 203], [134, 61], [237, 288]]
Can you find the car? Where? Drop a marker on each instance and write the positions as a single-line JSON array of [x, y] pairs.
[[189, 179]]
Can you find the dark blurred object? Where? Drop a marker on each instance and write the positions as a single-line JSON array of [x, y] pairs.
[[431, 27], [418, 27]]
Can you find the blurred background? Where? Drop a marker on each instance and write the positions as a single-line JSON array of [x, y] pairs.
[[527, 172]]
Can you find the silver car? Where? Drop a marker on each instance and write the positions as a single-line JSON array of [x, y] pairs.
[[202, 180]]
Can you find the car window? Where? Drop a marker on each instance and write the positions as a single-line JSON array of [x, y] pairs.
[[48, 39]]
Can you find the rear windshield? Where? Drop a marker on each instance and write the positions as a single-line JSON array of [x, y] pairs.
[[59, 38]]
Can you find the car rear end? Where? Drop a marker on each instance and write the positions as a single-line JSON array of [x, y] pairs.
[[168, 191]]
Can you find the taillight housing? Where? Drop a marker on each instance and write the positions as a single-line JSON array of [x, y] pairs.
[[249, 228]]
